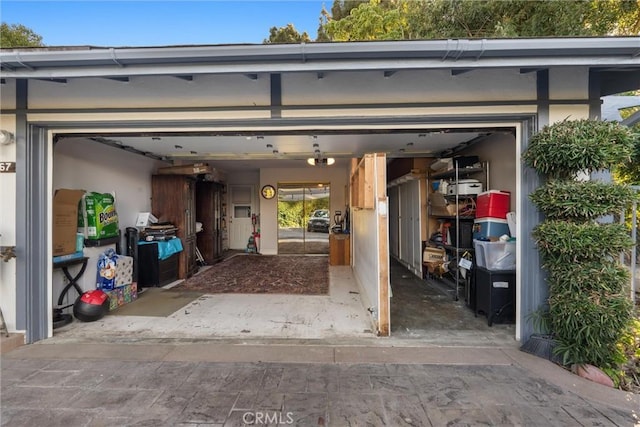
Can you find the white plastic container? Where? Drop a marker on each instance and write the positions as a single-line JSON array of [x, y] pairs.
[[495, 255], [465, 187]]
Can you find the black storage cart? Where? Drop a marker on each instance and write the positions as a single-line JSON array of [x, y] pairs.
[[495, 294]]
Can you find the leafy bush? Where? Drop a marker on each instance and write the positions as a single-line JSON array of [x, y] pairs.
[[582, 201], [589, 325], [564, 149], [628, 376], [589, 311], [586, 276], [566, 242]]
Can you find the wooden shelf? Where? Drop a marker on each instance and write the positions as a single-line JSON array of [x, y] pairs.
[[461, 218], [452, 173], [450, 247]]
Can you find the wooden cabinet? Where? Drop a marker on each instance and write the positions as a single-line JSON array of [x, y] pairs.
[[154, 271], [339, 249], [209, 197], [173, 200]]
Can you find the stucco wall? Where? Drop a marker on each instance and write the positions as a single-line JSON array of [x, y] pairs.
[[369, 87], [500, 151]]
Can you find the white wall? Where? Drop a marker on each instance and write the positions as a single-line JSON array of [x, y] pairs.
[[297, 89], [365, 256], [7, 225], [151, 91], [96, 167], [371, 87], [335, 176], [8, 94], [500, 151]]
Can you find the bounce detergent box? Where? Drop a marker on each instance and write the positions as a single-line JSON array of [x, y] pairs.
[[97, 216]]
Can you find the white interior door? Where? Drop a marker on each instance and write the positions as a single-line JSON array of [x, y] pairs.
[[410, 237], [240, 227]]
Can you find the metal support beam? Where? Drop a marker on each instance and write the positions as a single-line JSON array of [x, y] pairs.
[[276, 95], [533, 288], [22, 187], [542, 94], [595, 109]]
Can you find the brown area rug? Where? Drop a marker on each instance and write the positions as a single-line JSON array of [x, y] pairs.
[[263, 274]]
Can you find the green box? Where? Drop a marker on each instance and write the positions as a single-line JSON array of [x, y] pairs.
[[97, 216]]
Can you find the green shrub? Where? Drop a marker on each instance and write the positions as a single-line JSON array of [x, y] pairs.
[[586, 276], [589, 310], [627, 376], [581, 201], [569, 242], [563, 149], [589, 326]]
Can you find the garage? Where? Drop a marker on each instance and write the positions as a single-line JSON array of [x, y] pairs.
[[385, 112]]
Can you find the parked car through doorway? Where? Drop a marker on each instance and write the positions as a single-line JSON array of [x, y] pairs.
[[319, 221]]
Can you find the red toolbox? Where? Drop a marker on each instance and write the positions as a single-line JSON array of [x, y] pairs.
[[493, 203]]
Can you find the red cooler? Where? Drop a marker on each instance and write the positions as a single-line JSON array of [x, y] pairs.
[[493, 203]]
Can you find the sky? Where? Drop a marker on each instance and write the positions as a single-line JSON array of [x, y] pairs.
[[158, 23]]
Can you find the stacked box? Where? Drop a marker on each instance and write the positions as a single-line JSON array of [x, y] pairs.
[[493, 204], [97, 216], [122, 295], [485, 228], [113, 270], [192, 169], [124, 270]]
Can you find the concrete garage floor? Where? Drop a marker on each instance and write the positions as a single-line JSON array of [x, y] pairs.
[[420, 316], [337, 315], [426, 310]]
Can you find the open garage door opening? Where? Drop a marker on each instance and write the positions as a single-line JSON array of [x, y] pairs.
[[420, 302]]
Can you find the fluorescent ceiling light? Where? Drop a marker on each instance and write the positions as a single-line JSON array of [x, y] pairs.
[[321, 161]]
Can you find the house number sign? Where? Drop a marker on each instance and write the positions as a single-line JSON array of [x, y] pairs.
[[7, 167]]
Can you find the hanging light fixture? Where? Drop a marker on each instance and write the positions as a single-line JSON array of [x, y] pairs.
[[321, 161]]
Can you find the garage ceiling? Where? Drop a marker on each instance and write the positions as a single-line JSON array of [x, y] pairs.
[[242, 151]]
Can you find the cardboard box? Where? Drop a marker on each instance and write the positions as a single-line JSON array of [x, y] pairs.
[[433, 255], [122, 295], [145, 219], [192, 169], [124, 270], [65, 220]]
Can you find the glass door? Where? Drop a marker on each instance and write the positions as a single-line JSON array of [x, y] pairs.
[[303, 218]]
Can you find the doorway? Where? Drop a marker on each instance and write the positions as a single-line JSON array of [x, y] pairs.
[[241, 226], [304, 218]]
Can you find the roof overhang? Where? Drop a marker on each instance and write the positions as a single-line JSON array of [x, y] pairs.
[[531, 54]]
